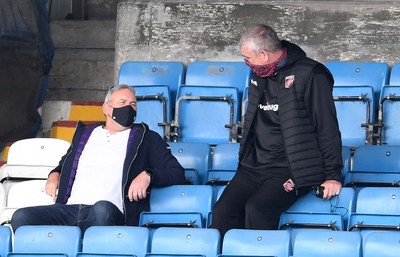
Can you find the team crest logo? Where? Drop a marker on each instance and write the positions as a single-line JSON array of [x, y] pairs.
[[289, 81]]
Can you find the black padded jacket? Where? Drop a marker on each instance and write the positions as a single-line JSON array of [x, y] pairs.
[[307, 116]]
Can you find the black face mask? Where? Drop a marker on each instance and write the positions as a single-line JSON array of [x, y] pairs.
[[124, 116]]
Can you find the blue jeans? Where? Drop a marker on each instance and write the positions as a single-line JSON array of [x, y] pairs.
[[102, 213]]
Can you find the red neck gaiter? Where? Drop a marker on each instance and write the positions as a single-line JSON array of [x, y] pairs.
[[266, 70]]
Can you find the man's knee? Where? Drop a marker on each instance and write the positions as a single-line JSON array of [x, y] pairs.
[[20, 218], [106, 213]]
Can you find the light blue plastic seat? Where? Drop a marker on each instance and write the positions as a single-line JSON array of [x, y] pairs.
[[153, 73], [207, 114], [154, 107], [168, 242], [325, 243], [377, 208], [115, 241], [374, 74], [215, 73], [246, 242], [390, 115], [47, 240], [5, 240], [178, 206], [394, 78], [382, 244], [195, 158], [355, 109], [374, 165], [310, 211]]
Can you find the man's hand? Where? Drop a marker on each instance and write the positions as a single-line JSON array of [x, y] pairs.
[[331, 188], [138, 188], [52, 185]]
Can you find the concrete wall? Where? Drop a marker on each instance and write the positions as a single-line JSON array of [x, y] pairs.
[[90, 52]]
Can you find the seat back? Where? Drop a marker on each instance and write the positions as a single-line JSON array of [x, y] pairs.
[[244, 242], [206, 113], [310, 211], [375, 158], [28, 193], [196, 241], [179, 199], [327, 243], [378, 200], [37, 151], [374, 74], [195, 158], [214, 73], [39, 239], [171, 74], [395, 75], [225, 156], [6, 241], [382, 244], [117, 240], [347, 157], [390, 112], [153, 106], [360, 100]]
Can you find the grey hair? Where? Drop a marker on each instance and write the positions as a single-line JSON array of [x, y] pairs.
[[261, 37], [116, 88]]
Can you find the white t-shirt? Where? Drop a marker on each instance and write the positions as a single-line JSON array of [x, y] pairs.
[[99, 172]]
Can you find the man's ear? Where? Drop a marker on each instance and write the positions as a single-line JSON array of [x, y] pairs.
[[105, 108]]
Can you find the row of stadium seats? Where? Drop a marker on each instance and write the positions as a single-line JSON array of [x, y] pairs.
[[205, 102], [118, 241]]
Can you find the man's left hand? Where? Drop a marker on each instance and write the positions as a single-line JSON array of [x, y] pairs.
[[138, 188], [331, 188]]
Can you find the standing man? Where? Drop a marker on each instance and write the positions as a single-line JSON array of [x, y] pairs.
[[291, 139], [107, 174]]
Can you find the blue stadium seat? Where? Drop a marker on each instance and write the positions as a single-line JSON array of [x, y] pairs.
[[171, 74], [374, 74], [225, 159], [178, 206], [246, 242], [382, 244], [376, 208], [169, 242], [354, 108], [389, 114], [347, 157], [195, 158], [394, 78], [214, 73], [154, 107], [375, 165], [311, 211], [207, 114], [115, 241], [52, 241], [325, 243], [6, 240]]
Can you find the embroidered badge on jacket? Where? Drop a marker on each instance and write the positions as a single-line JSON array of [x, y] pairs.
[[289, 81]]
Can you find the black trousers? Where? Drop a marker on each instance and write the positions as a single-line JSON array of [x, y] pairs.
[[251, 202]]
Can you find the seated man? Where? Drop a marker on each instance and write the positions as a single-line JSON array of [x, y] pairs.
[[106, 176]]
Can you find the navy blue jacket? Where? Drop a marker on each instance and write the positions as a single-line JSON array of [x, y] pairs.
[[145, 150]]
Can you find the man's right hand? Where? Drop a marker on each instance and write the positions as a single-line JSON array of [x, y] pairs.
[[52, 185]]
